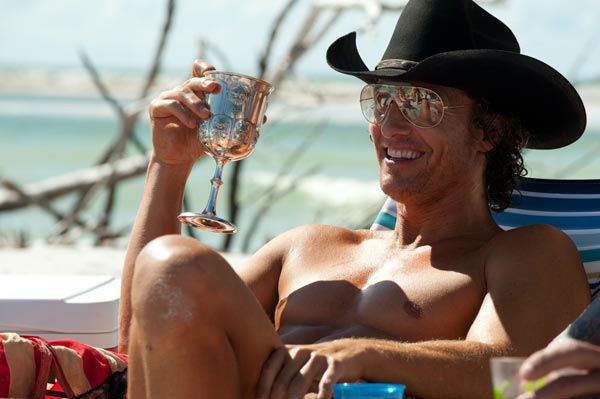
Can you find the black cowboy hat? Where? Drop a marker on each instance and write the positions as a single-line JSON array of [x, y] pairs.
[[457, 43]]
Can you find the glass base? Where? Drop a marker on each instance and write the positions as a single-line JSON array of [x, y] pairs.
[[208, 222]]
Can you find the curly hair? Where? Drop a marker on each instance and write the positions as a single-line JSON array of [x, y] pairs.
[[505, 161]]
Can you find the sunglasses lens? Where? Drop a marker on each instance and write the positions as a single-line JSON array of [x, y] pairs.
[[420, 106], [368, 103]]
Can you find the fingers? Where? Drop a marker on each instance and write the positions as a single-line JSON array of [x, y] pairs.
[[163, 108], [199, 67], [293, 371], [330, 377], [185, 102], [270, 369], [572, 353], [568, 387], [310, 372], [201, 85], [290, 369]]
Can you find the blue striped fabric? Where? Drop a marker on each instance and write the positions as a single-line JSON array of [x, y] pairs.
[[570, 205]]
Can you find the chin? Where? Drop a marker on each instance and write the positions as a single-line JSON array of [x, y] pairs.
[[401, 190]]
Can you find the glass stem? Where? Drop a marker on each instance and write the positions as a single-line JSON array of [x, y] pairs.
[[215, 184]]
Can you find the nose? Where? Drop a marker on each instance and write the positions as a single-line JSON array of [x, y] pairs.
[[395, 123]]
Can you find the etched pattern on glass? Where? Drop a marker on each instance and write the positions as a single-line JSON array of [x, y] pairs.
[[233, 130]]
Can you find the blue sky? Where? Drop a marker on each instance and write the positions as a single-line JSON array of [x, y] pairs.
[[122, 33]]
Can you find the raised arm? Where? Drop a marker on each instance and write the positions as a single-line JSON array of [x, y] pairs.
[[174, 116]]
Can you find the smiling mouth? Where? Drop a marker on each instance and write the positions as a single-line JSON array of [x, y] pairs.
[[402, 155]]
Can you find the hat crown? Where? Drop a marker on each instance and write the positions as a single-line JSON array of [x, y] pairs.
[[429, 27]]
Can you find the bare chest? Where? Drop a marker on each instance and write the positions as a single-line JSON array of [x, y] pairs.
[[392, 300]]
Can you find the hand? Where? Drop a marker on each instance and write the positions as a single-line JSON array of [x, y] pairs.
[[175, 115], [569, 353], [294, 370]]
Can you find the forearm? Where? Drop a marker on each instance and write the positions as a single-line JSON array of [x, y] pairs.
[[431, 369], [157, 216]]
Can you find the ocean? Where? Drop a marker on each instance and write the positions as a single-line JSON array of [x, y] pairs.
[[44, 135]]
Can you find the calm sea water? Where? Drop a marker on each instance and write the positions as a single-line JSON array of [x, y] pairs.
[[43, 136]]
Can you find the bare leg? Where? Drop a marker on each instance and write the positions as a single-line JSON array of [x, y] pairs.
[[197, 330]]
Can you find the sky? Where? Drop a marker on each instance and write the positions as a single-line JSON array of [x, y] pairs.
[[122, 34]]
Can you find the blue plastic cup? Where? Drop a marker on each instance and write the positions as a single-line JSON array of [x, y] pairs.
[[368, 391]]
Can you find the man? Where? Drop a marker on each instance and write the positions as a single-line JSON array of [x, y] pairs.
[[425, 305]]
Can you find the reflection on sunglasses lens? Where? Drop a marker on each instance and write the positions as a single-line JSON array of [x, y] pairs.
[[420, 106]]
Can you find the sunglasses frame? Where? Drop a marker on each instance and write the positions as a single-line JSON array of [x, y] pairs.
[[394, 89]]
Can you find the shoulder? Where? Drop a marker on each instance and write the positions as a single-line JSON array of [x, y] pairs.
[[320, 231], [308, 236], [536, 286], [539, 234], [539, 257], [532, 243]]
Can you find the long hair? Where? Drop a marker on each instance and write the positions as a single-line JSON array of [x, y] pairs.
[[505, 161]]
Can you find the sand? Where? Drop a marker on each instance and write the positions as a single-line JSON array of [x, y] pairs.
[[73, 260]]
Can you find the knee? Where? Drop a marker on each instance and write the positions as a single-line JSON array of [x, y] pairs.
[[176, 279]]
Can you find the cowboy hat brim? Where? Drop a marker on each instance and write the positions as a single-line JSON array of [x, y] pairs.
[[547, 104]]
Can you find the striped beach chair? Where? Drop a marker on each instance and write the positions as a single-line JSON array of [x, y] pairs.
[[570, 205]]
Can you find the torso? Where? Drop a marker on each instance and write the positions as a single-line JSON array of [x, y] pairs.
[[362, 286]]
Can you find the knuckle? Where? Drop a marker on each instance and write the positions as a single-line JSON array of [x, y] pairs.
[[206, 82], [202, 66], [197, 103], [183, 89], [165, 94], [177, 96], [173, 103], [152, 106]]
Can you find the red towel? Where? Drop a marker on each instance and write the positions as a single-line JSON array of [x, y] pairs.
[[26, 362]]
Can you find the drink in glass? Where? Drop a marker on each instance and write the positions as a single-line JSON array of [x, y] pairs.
[[230, 134], [506, 381]]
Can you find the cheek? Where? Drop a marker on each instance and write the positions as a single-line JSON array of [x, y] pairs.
[[374, 131]]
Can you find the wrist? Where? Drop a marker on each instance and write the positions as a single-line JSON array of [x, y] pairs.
[[361, 352], [167, 177], [366, 361], [182, 168]]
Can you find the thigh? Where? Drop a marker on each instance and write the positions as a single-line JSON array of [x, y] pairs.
[[185, 290]]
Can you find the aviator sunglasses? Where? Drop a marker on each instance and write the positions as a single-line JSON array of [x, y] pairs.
[[420, 106]]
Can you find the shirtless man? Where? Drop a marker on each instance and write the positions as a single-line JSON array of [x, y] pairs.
[[425, 305]]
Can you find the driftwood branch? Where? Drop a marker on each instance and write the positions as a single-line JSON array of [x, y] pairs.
[[97, 80], [266, 53], [129, 121], [126, 131], [41, 202], [164, 34], [82, 180]]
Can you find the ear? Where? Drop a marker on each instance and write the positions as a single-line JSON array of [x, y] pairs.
[[486, 144], [488, 133]]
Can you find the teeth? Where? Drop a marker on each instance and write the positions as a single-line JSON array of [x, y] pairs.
[[403, 154]]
